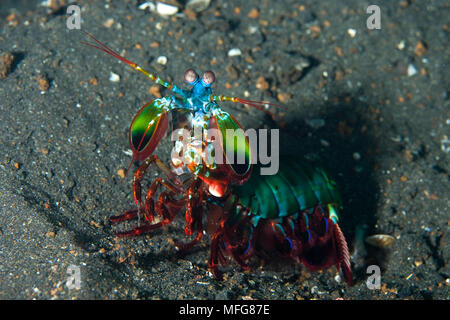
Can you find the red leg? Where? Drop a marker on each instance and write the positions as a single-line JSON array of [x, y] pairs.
[[149, 201], [248, 241], [192, 202], [233, 239], [237, 237], [194, 213], [148, 212], [141, 229], [166, 207], [140, 172], [238, 258], [216, 254], [197, 224], [173, 205], [128, 215], [166, 211], [184, 247], [213, 259]]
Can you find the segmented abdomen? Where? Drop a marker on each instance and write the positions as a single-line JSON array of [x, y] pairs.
[[296, 187]]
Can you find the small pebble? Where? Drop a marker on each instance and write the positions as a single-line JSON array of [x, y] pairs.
[[198, 5], [113, 77], [6, 63], [109, 23], [12, 20], [262, 84], [411, 70], [351, 32], [254, 14], [162, 60], [445, 144], [234, 52], [314, 31], [147, 5], [121, 173], [420, 49], [44, 84], [283, 97], [337, 278], [93, 81], [380, 240], [401, 45]]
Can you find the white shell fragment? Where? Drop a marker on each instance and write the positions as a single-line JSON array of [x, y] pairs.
[[113, 77], [46, 3], [162, 60], [234, 52], [198, 5], [165, 9], [147, 5], [401, 45], [161, 8], [411, 70], [351, 32], [380, 240]]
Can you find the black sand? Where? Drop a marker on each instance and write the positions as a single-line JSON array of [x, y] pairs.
[[372, 105]]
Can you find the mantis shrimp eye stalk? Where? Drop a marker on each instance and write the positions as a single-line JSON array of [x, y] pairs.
[[190, 76], [208, 78]]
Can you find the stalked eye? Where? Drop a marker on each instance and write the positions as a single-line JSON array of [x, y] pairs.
[[190, 76], [208, 78]]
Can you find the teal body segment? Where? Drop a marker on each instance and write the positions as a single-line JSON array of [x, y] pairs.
[[296, 187]]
